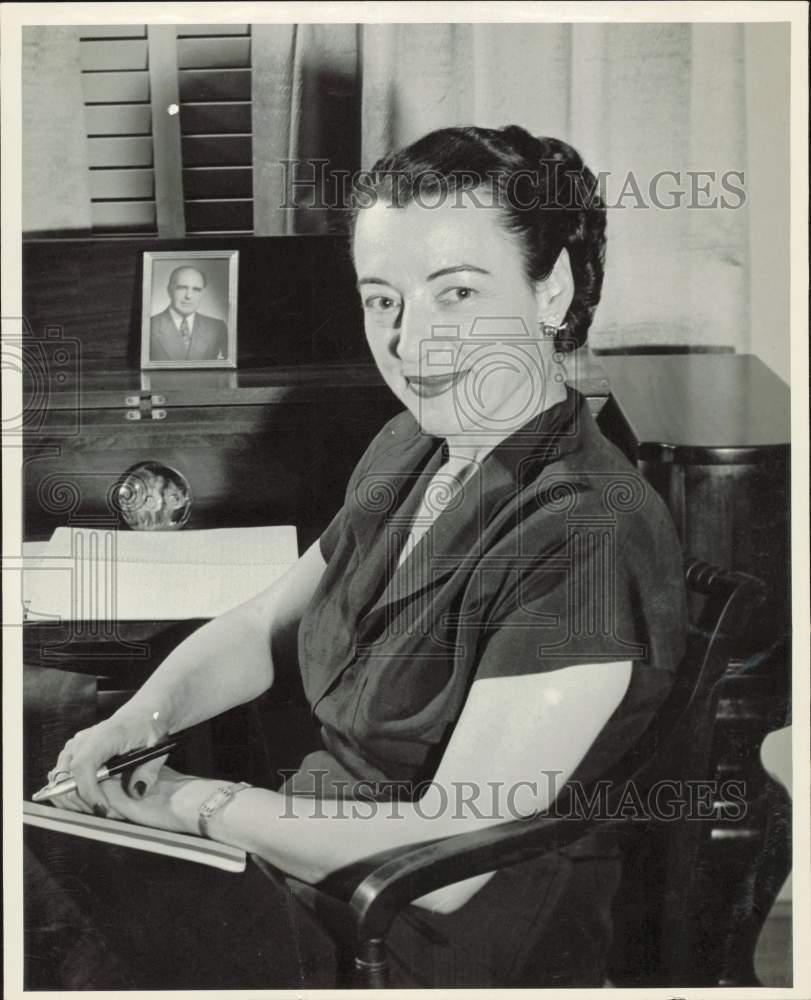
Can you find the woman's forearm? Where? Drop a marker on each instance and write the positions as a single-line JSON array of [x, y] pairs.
[[489, 774], [229, 660], [224, 663], [310, 838]]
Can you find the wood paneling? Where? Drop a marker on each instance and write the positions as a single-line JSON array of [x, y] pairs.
[[201, 53], [113, 54], [207, 151], [297, 298], [118, 119], [58, 386], [218, 182], [112, 31], [121, 216], [223, 117], [122, 184], [115, 88], [211, 216], [215, 85], [120, 152], [246, 465]]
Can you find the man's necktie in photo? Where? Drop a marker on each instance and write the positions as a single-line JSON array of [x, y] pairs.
[[185, 332]]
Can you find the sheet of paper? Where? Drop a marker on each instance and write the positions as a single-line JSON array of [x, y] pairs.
[[96, 575], [140, 838]]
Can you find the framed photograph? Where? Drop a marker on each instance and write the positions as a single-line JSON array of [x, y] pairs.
[[189, 310]]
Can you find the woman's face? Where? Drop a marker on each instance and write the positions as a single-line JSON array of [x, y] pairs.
[[451, 319]]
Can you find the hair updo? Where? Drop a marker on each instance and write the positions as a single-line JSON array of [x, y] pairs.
[[546, 197]]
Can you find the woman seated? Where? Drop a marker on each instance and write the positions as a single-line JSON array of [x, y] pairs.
[[497, 608]]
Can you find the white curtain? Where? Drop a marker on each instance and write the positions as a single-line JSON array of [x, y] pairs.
[[306, 107], [632, 98]]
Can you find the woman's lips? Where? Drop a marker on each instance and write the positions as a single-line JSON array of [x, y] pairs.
[[426, 386]]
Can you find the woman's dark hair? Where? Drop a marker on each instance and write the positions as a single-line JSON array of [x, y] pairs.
[[546, 197]]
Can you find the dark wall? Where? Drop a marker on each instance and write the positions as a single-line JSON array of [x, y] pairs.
[[297, 302]]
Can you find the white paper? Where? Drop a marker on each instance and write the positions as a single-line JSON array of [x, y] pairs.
[[89, 574]]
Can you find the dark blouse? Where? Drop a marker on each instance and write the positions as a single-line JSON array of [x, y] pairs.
[[556, 553]]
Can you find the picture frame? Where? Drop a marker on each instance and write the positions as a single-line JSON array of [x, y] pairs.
[[189, 309]]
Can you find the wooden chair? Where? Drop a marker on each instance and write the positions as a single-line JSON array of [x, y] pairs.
[[686, 742]]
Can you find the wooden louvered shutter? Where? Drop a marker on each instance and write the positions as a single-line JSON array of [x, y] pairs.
[[154, 172], [214, 76], [118, 119]]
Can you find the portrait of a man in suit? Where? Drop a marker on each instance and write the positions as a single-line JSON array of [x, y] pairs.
[[180, 332]]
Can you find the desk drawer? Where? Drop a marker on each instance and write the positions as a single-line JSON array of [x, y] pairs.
[[246, 465]]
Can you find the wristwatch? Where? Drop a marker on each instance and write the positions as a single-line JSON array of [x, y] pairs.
[[218, 798]]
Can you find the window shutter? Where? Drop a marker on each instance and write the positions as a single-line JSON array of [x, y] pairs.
[[214, 79], [118, 120], [128, 79]]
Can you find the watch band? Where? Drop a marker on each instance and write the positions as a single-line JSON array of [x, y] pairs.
[[218, 798]]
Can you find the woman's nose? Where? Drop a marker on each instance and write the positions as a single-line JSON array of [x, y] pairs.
[[410, 333]]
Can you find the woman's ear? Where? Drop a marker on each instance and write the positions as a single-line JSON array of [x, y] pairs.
[[554, 294]]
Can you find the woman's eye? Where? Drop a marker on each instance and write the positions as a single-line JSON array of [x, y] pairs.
[[380, 303], [460, 293]]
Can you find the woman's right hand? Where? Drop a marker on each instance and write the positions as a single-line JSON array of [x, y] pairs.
[[84, 754]]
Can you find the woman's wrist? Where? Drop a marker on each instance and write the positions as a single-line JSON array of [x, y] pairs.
[[188, 804], [189, 799], [153, 716]]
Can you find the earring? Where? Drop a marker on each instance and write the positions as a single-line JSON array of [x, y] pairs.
[[550, 330]]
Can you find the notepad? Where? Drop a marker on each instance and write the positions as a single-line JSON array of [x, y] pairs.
[[88, 574], [140, 838]]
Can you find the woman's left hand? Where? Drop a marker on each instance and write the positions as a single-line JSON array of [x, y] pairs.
[[170, 804]]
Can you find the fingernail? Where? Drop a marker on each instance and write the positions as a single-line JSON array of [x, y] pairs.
[[140, 789], [99, 810]]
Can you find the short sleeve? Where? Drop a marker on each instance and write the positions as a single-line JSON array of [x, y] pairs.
[[565, 617], [601, 608]]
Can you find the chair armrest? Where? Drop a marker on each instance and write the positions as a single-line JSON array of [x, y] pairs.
[[380, 886]]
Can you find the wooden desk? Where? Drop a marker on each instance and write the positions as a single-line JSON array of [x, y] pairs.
[[711, 434]]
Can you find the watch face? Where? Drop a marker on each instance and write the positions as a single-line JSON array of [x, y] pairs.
[[216, 801]]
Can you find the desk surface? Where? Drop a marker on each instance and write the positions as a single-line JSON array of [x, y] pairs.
[[728, 408]]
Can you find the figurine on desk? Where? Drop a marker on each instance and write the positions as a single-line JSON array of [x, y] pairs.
[[154, 497]]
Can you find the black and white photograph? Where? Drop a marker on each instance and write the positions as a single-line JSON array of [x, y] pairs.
[[189, 306], [455, 635]]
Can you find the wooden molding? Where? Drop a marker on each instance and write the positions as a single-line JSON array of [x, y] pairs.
[[166, 131]]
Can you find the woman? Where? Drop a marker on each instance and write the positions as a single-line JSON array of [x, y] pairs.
[[450, 636]]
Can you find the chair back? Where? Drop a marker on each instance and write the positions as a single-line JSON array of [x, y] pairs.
[[658, 906], [677, 740]]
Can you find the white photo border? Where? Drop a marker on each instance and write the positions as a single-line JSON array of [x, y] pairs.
[[150, 258]]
